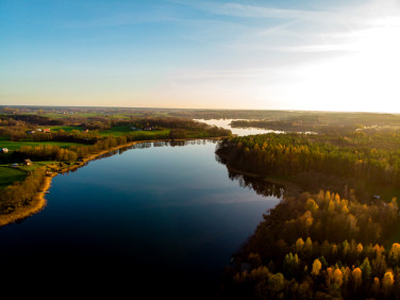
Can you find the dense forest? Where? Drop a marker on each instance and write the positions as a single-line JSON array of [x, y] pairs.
[[332, 244], [357, 160], [319, 246]]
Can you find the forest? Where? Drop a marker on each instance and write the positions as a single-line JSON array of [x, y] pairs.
[[368, 163], [337, 238], [319, 246]]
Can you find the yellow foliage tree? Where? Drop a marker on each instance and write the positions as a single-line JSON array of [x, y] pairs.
[[299, 245], [387, 282], [338, 277], [360, 249], [316, 267], [357, 277], [394, 253]]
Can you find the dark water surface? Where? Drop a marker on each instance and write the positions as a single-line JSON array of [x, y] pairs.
[[161, 220]]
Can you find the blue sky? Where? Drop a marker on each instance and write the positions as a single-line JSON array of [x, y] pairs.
[[309, 55]]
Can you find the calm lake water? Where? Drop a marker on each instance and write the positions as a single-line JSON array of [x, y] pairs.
[[226, 123], [164, 216]]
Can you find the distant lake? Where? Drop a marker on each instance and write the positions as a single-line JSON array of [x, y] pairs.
[[225, 123], [158, 215]]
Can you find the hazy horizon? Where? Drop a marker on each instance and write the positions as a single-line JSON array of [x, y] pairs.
[[194, 108], [195, 54]]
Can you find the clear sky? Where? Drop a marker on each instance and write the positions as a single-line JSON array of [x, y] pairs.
[[248, 54]]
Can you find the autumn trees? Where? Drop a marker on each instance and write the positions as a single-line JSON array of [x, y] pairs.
[[20, 193], [321, 246]]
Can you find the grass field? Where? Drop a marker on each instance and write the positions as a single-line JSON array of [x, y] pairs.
[[11, 145], [9, 175], [65, 128], [124, 130]]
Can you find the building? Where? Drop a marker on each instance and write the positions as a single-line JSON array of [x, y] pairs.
[[28, 162], [3, 150]]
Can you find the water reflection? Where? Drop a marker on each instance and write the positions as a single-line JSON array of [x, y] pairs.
[[159, 143], [166, 210], [259, 185], [226, 123]]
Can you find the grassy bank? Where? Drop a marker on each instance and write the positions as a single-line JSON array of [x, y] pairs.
[[10, 175]]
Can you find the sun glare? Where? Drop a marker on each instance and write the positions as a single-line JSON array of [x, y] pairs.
[[365, 78]]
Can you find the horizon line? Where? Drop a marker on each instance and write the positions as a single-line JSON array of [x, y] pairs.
[[188, 108]]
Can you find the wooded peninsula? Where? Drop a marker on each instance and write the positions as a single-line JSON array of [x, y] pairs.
[[338, 238]]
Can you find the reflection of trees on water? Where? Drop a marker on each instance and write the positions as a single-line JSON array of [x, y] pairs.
[[260, 186], [148, 144], [166, 143]]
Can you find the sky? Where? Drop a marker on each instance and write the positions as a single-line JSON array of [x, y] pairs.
[[341, 55]]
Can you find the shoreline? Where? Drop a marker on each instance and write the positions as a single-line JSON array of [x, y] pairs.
[[292, 189], [39, 201]]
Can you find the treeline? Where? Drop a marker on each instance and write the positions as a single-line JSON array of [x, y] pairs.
[[325, 122], [54, 152], [95, 144], [319, 246], [21, 193], [356, 157], [31, 119], [73, 136]]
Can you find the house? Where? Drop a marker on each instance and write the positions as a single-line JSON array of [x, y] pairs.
[[46, 130], [3, 150], [28, 162], [31, 132]]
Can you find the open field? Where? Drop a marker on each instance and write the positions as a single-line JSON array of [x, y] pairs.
[[65, 128], [11, 145], [124, 130], [9, 175]]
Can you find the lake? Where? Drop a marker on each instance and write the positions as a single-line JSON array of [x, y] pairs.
[[158, 218], [226, 123]]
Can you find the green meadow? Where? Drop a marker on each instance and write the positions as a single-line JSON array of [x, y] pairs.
[[15, 145], [10, 175], [124, 130]]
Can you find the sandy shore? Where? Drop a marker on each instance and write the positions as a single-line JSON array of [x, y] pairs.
[[39, 201]]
